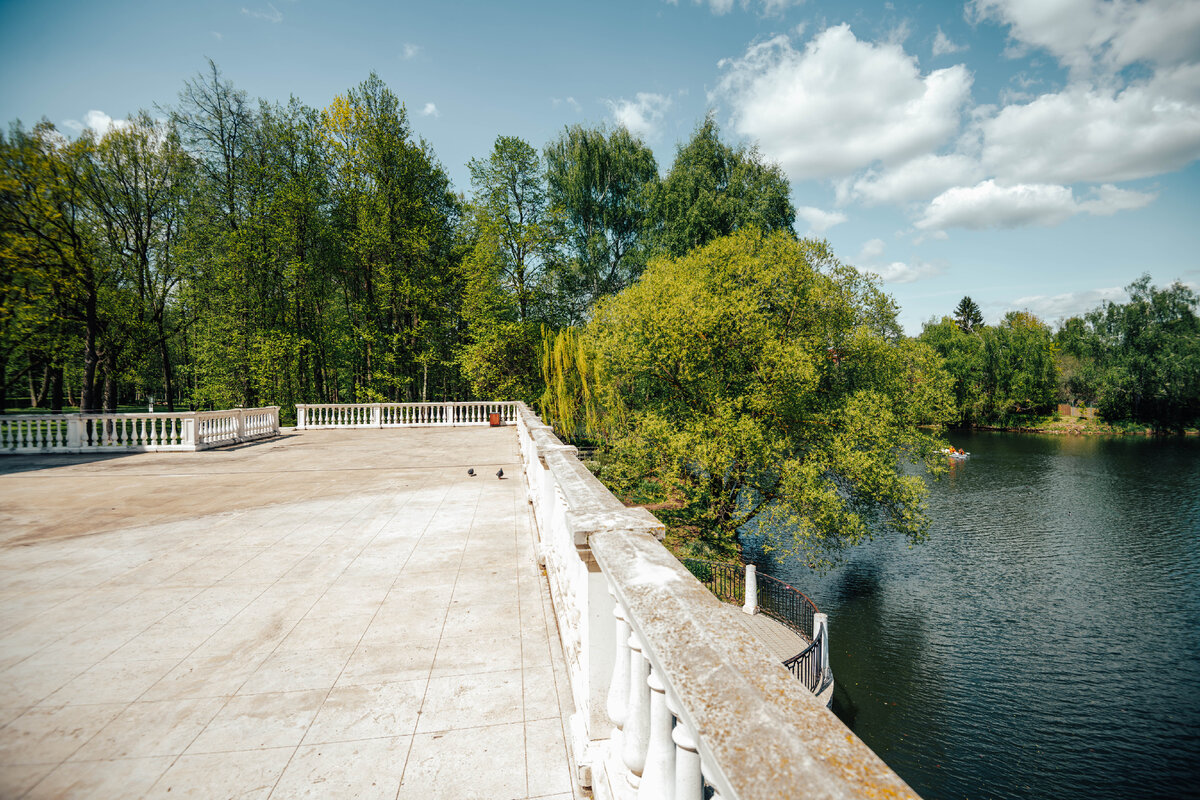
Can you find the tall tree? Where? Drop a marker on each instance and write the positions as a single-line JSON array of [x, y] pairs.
[[713, 190], [757, 384], [601, 183], [968, 316]]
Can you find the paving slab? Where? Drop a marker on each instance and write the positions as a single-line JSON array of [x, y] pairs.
[[326, 614]]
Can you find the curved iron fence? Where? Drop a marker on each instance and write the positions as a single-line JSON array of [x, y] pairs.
[[806, 665], [726, 580], [790, 606], [777, 600]]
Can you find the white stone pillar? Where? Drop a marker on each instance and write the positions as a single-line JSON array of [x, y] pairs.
[[751, 604], [449, 411], [301, 414], [241, 424], [188, 435], [658, 778], [688, 783], [74, 432], [821, 628], [376, 415], [636, 732]]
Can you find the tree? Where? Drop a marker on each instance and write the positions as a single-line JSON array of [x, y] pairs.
[[600, 184], [713, 190], [759, 385], [968, 316]]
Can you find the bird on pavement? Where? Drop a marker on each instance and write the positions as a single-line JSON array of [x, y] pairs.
[[500, 473], [471, 472]]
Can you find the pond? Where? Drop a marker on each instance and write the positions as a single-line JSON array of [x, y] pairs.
[[1045, 640]]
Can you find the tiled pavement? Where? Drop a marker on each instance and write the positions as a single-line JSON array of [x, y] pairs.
[[333, 614]]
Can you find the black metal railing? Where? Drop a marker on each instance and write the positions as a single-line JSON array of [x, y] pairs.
[[790, 606], [727, 581], [807, 665]]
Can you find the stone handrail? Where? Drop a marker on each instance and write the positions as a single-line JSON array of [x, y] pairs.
[[670, 690], [314, 416], [160, 431]]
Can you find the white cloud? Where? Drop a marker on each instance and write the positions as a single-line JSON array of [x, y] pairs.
[[841, 104], [570, 101], [430, 110], [990, 205], [942, 45], [871, 250], [97, 120], [820, 221], [274, 15], [900, 272], [1093, 134], [918, 179], [643, 115], [411, 51], [1070, 304], [1088, 34], [721, 7], [217, 35]]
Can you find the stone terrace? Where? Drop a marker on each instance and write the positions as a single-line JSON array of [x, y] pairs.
[[327, 614]]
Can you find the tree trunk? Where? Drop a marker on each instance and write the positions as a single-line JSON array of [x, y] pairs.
[[56, 390], [110, 390], [87, 392], [168, 373]]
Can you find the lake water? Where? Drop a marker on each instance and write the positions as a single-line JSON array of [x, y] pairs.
[[1045, 640]]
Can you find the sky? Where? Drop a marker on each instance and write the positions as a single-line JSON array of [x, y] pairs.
[[1035, 155]]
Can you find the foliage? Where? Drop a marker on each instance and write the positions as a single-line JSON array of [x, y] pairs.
[[600, 183], [968, 316], [1003, 373], [713, 190], [1138, 360], [760, 385]]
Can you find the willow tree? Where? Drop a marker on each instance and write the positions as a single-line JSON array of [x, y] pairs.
[[765, 388]]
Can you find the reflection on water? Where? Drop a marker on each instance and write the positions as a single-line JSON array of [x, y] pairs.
[[1045, 640]]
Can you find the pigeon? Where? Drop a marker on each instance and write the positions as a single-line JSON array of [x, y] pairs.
[[500, 473], [471, 472]]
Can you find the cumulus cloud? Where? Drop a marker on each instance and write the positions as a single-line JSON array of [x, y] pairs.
[[918, 179], [820, 221], [1086, 35], [900, 272], [411, 51], [1092, 134], [841, 104], [991, 205], [871, 250], [430, 110], [272, 15], [642, 115], [1070, 304], [97, 120], [942, 46]]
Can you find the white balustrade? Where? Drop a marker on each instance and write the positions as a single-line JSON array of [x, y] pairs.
[[401, 415], [161, 431], [673, 696]]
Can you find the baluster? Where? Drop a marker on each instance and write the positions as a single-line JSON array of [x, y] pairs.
[[688, 783], [636, 732], [658, 778], [618, 687]]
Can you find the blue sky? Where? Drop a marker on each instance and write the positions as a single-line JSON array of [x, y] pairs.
[[1034, 154]]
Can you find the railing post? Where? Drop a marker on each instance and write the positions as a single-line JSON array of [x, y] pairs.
[[376, 415], [821, 629], [450, 414], [75, 432], [301, 413], [187, 435], [751, 604], [240, 413], [618, 687]]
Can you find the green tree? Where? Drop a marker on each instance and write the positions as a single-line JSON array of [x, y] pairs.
[[600, 183], [759, 385], [968, 316], [713, 190]]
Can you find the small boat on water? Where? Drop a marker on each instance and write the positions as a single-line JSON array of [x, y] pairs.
[[958, 454]]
